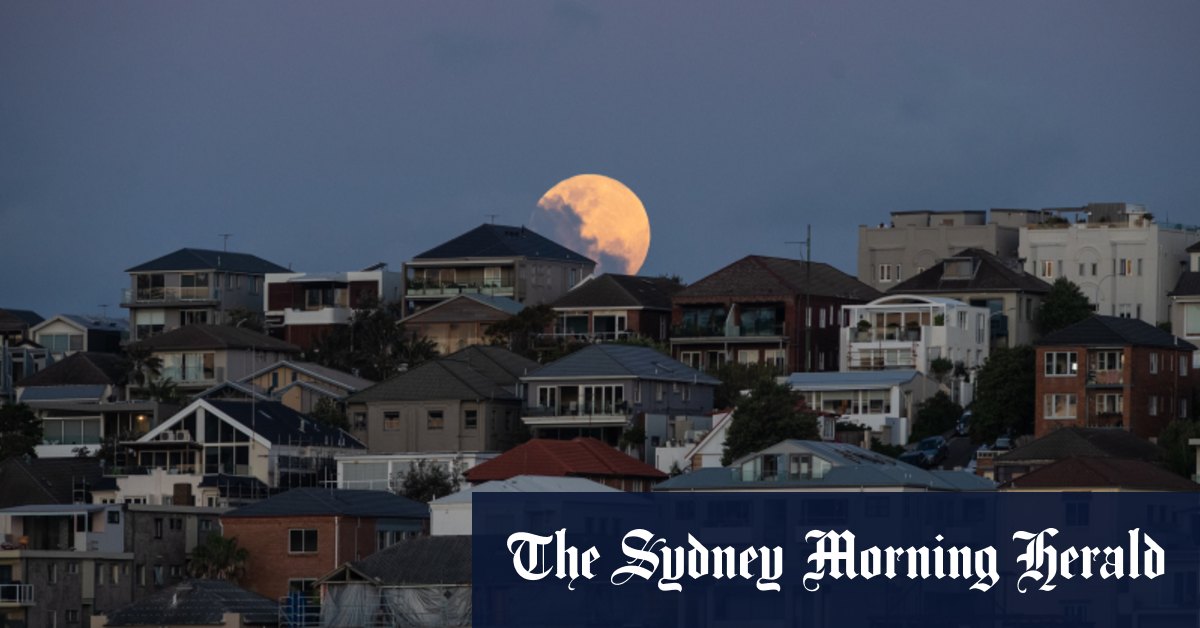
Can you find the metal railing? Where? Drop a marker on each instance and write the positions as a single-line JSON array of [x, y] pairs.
[[576, 409], [169, 294], [16, 595]]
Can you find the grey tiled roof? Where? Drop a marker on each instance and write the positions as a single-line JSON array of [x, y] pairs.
[[757, 275], [423, 560], [1091, 442], [1195, 248], [216, 337], [476, 372], [83, 368], [341, 379], [197, 603], [16, 320], [620, 291], [318, 502], [1187, 286], [617, 360], [280, 424], [206, 259], [991, 274], [1112, 330], [45, 480], [502, 241]]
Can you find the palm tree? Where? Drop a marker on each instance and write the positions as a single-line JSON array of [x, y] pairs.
[[144, 366], [163, 390], [218, 558]]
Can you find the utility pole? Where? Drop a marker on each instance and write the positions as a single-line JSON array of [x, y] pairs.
[[804, 318], [225, 240]]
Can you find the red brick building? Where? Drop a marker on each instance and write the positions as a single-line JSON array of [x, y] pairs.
[[757, 310], [1113, 372], [296, 537], [580, 457]]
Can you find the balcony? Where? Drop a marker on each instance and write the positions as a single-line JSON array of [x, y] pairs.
[[1105, 419], [766, 330], [169, 295], [575, 414], [1105, 379], [422, 290], [12, 595]]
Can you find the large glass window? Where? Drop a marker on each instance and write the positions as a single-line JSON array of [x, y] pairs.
[[1060, 406], [1062, 363], [1191, 319], [82, 431], [61, 343]]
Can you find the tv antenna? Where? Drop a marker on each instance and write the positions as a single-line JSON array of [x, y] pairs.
[[225, 240], [492, 217]]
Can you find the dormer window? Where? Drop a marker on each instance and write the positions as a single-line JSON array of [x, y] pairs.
[[958, 269]]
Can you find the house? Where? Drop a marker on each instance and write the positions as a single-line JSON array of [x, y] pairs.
[[302, 385], [697, 450], [1123, 260], [764, 310], [452, 514], [195, 603], [979, 278], [580, 457], [213, 450], [199, 356], [884, 401], [818, 466], [495, 260], [461, 320], [1100, 475], [1185, 302], [901, 331], [613, 307], [466, 401], [385, 472], [193, 287], [423, 581], [66, 562], [1106, 371], [20, 356], [915, 241], [298, 536], [302, 307], [15, 325], [25, 481], [1073, 442], [66, 334]]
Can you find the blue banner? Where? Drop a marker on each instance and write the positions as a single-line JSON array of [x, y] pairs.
[[837, 559]]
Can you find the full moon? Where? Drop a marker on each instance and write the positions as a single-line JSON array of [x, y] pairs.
[[599, 217]]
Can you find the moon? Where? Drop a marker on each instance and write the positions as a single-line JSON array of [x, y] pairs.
[[598, 217]]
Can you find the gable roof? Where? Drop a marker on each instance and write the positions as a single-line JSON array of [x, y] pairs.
[[197, 603], [620, 360], [80, 369], [1195, 248], [45, 480], [990, 274], [271, 422], [1093, 442], [207, 259], [215, 337], [620, 291], [422, 560], [489, 308], [86, 323], [490, 240], [1187, 286], [476, 372], [17, 320], [527, 484], [341, 379], [1099, 330], [329, 502], [1106, 473], [585, 457], [759, 275]]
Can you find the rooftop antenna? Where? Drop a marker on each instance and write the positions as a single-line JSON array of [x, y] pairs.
[[225, 240], [807, 246], [103, 311], [492, 217]]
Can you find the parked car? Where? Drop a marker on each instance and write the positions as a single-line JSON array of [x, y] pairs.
[[928, 453], [963, 427], [1004, 443]]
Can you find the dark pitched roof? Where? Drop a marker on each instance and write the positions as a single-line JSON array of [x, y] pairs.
[[81, 369], [422, 560], [989, 274], [621, 291], [317, 502], [502, 241], [17, 320], [1093, 442], [1099, 330], [1187, 286], [215, 337], [775, 276], [619, 360], [197, 603], [476, 372], [45, 480], [205, 259], [1086, 473], [280, 424], [585, 457], [1195, 248]]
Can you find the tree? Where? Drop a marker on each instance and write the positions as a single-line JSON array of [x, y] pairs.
[[736, 378], [374, 345], [1179, 456], [426, 481], [142, 365], [1004, 394], [935, 416], [244, 318], [163, 390], [1064, 305], [218, 558], [328, 412], [519, 331], [771, 413], [20, 431]]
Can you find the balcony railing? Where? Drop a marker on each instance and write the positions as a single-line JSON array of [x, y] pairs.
[[440, 290], [575, 409], [1105, 419], [586, 336], [754, 330], [169, 295], [16, 595], [189, 375], [887, 334], [1106, 378]]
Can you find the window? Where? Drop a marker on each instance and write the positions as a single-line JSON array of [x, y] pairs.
[[61, 343], [302, 541], [1183, 366], [391, 421], [73, 568], [193, 317], [687, 393], [1108, 361], [72, 616], [547, 396], [1183, 409], [1060, 406], [141, 575], [205, 525], [747, 356], [775, 357], [1110, 403], [1062, 363], [258, 283], [470, 419], [114, 517], [158, 527], [176, 523], [101, 575], [822, 322], [1124, 267], [1153, 402], [491, 277], [659, 391], [885, 273], [1153, 363], [1046, 268], [435, 419], [637, 392], [116, 574], [690, 358]]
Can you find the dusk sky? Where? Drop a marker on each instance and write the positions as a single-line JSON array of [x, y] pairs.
[[331, 136]]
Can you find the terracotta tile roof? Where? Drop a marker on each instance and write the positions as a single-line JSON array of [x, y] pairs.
[[1088, 472], [757, 275], [585, 457]]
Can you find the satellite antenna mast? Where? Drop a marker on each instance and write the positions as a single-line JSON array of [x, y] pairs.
[[225, 240], [807, 246]]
